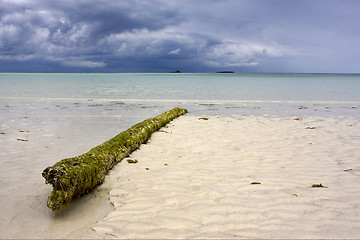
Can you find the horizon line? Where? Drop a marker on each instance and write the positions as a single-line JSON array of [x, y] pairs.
[[175, 73]]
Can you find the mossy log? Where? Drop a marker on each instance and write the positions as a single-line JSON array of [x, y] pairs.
[[77, 176]]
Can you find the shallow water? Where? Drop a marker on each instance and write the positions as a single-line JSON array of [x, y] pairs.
[[265, 87], [47, 117]]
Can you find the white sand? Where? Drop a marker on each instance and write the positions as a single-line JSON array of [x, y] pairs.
[[200, 172]]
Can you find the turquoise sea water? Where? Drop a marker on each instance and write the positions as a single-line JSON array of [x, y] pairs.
[[47, 117], [227, 91], [262, 87]]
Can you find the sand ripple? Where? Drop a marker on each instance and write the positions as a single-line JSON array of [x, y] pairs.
[[198, 182]]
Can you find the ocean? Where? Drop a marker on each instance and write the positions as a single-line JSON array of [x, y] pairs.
[[47, 117]]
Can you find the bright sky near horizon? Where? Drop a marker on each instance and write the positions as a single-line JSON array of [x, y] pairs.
[[190, 35]]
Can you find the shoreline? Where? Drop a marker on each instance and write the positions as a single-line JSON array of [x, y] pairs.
[[46, 118]]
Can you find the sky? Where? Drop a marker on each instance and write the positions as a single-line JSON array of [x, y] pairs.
[[262, 36]]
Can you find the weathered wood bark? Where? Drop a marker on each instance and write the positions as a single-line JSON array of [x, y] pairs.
[[77, 176]]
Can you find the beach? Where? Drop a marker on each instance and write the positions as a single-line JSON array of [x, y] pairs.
[[239, 177], [240, 164], [205, 119]]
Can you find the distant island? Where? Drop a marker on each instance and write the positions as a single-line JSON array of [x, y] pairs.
[[177, 71], [226, 72]]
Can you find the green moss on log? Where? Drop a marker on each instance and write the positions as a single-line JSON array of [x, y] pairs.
[[77, 176]]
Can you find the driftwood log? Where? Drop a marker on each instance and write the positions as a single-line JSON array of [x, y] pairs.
[[77, 176]]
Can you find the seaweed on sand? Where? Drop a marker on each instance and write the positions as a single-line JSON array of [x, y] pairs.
[[318, 186]]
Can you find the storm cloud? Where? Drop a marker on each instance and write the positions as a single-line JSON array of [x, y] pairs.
[[194, 36]]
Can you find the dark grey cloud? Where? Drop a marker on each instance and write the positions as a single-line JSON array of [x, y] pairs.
[[76, 33], [162, 35]]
